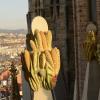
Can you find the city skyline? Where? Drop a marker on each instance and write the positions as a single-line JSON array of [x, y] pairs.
[[13, 14]]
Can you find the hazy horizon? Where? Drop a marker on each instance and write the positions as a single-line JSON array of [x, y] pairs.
[[13, 14]]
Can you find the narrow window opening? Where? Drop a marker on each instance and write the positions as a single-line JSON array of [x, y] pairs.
[[51, 8], [58, 7], [92, 10]]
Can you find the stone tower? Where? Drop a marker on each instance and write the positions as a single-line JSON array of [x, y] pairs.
[[68, 20], [59, 15], [85, 12]]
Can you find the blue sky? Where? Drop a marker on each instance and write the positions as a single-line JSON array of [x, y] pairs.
[[13, 14]]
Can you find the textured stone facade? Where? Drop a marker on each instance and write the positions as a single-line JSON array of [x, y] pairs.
[[59, 15], [98, 17], [82, 17], [81, 21], [68, 20]]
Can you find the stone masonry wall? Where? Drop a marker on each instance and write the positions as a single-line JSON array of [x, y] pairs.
[[81, 21], [57, 23], [98, 18]]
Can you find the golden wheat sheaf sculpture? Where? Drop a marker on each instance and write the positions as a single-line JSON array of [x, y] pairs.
[[42, 62], [90, 46]]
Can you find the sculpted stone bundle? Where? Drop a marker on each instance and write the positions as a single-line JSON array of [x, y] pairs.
[[42, 61], [90, 46]]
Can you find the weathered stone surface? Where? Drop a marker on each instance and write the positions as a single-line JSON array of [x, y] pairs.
[[54, 11], [69, 32]]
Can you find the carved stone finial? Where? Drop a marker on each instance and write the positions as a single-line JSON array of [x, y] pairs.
[[91, 27]]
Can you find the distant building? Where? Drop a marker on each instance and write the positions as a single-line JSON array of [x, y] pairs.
[[11, 45]]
